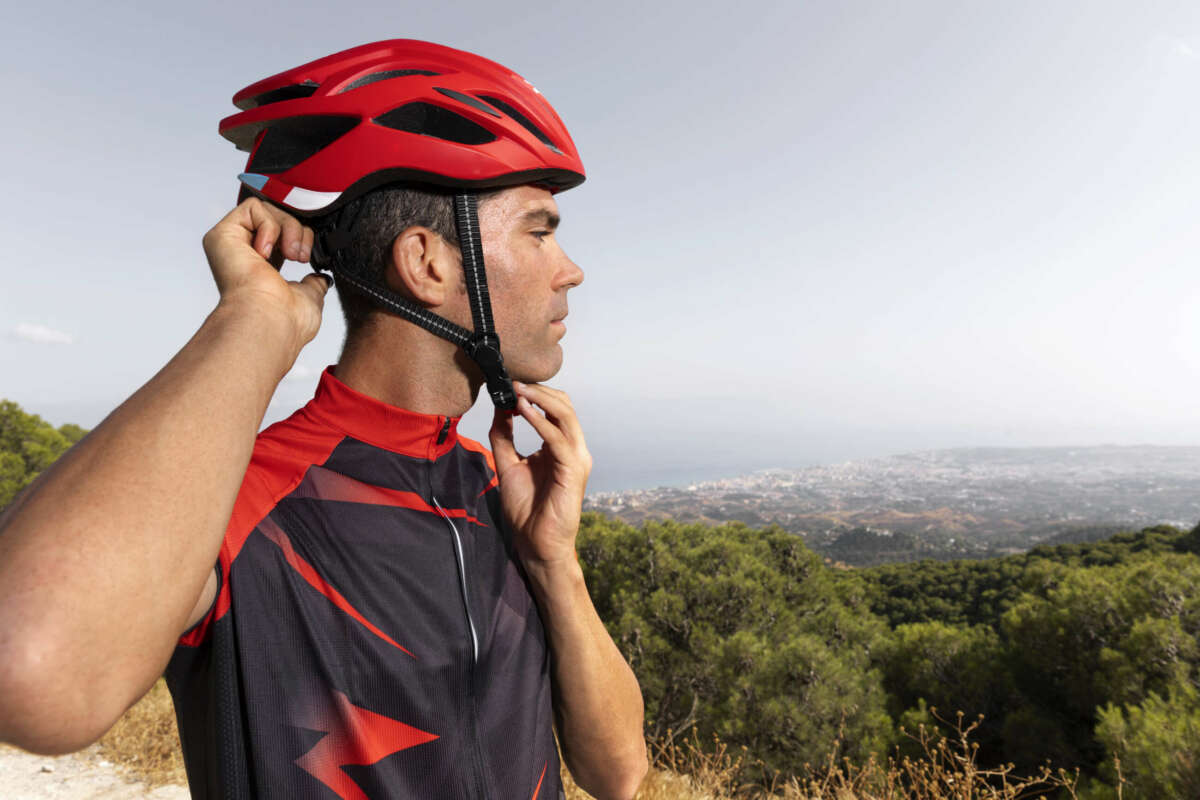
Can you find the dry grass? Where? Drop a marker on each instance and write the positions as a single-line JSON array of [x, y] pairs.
[[146, 743], [947, 771]]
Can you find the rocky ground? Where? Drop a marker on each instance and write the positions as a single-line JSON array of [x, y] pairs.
[[83, 776]]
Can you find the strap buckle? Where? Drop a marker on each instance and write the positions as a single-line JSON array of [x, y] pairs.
[[484, 350]]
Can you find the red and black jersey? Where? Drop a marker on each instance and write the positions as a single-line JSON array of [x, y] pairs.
[[373, 635]]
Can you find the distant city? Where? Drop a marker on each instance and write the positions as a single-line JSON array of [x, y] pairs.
[[962, 503]]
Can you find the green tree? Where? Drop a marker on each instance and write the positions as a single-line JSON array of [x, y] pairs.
[[740, 633], [950, 668], [1095, 636], [28, 445], [1157, 743]]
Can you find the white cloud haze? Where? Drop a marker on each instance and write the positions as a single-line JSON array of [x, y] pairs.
[[40, 334]]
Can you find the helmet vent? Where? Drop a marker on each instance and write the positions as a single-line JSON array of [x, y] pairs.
[[468, 100], [440, 123], [375, 77], [289, 141], [524, 121], [293, 92]]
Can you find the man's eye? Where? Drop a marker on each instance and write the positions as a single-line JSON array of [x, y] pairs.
[[540, 234]]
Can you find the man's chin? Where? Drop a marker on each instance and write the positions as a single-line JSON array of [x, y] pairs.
[[540, 372]]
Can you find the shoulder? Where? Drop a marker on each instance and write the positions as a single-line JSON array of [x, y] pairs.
[[283, 454]]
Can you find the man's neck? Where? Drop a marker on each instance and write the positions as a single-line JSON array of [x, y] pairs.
[[402, 365]]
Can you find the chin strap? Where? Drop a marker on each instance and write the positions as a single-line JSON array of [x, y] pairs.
[[483, 345]]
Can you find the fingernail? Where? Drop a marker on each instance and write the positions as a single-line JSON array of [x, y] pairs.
[[267, 249], [518, 386], [305, 252]]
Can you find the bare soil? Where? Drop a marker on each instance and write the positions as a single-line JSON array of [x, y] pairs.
[[80, 776]]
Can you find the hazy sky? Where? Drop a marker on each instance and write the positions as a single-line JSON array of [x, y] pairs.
[[811, 231]]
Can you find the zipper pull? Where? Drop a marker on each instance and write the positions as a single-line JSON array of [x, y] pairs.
[[445, 432]]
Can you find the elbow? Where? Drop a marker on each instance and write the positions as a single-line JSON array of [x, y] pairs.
[[41, 709], [623, 777], [636, 773], [630, 779]]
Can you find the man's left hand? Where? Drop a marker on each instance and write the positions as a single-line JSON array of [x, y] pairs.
[[542, 493]]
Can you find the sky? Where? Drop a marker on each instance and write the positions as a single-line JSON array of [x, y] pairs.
[[811, 232]]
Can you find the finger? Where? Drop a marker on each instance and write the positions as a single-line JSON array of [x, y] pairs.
[[306, 244], [265, 228], [291, 235], [554, 439], [557, 406], [501, 438], [237, 223]]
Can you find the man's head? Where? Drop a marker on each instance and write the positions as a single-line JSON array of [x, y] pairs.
[[331, 137], [407, 239]]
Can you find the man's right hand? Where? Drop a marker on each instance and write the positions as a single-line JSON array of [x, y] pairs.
[[245, 251]]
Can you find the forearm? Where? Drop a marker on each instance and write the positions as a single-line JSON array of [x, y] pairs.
[[597, 701], [106, 555]]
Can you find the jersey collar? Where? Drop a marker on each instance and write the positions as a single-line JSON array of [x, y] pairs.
[[372, 421]]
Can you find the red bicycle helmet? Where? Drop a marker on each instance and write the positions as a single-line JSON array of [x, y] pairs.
[[403, 111], [400, 110]]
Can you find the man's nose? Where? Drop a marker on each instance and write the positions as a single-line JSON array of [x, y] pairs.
[[570, 275]]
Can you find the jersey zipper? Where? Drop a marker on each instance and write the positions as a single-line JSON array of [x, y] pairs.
[[476, 748]]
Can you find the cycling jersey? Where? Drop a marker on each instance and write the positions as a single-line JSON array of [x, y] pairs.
[[373, 635]]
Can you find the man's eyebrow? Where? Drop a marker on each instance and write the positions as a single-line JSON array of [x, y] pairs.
[[541, 216]]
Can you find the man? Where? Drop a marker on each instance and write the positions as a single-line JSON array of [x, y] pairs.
[[392, 614]]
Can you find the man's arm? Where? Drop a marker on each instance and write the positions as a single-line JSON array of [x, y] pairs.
[[597, 701], [103, 560]]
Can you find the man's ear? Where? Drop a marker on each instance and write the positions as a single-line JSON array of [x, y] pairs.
[[424, 266]]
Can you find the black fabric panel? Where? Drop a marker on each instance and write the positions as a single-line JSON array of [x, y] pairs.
[[368, 464], [206, 691]]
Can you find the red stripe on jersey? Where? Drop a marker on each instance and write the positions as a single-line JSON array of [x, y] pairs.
[[276, 535], [538, 789], [325, 484], [476, 447]]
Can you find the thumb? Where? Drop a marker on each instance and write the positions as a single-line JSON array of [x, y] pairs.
[[318, 285], [501, 438]]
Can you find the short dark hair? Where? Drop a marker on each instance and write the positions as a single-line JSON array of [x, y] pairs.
[[378, 218]]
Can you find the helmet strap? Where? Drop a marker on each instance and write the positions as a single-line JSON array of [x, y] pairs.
[[484, 345]]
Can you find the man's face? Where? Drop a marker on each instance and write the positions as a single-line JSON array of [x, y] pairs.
[[528, 277]]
